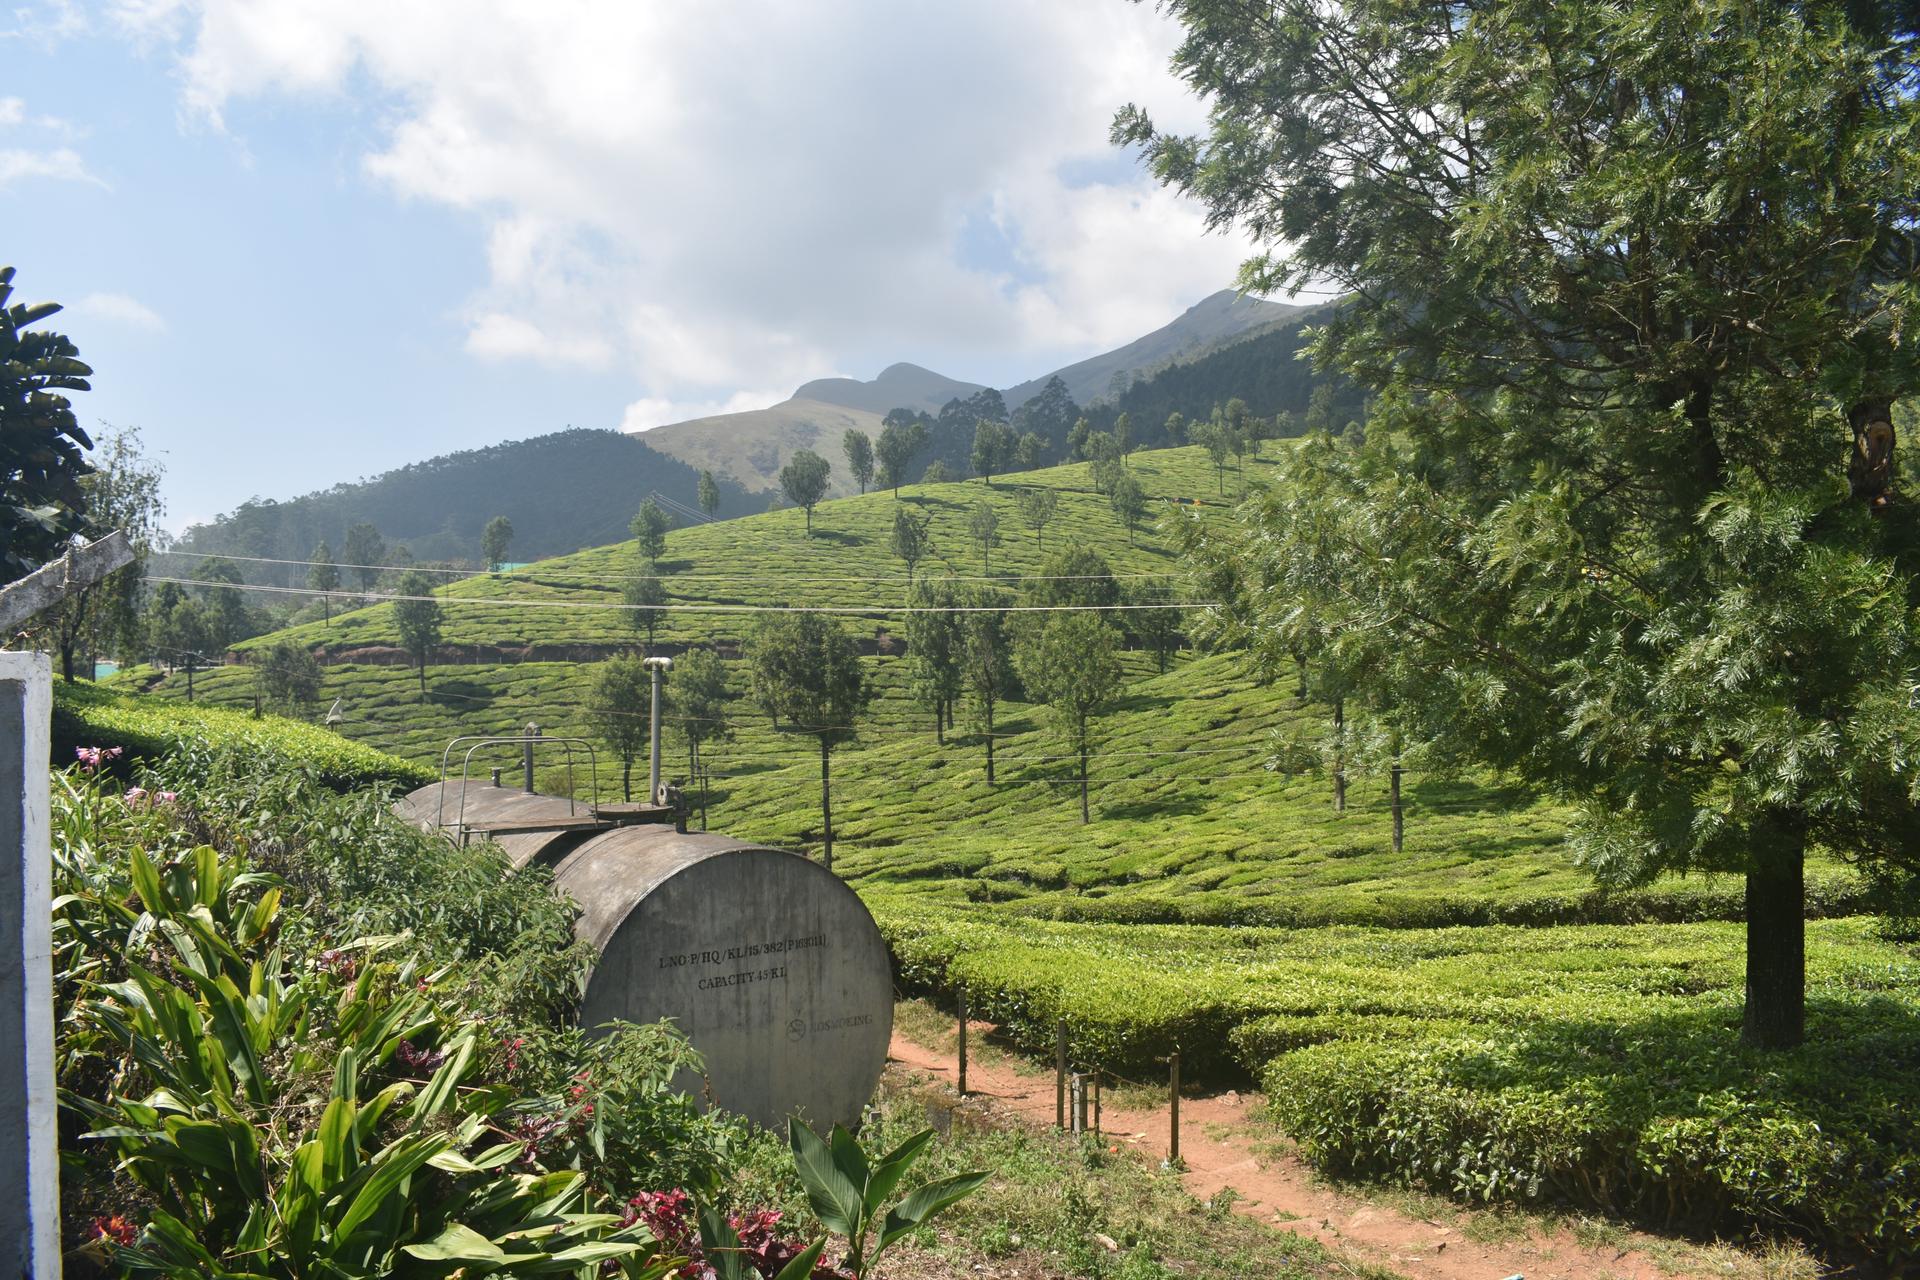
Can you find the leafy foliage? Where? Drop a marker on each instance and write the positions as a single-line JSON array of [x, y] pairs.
[[804, 481], [494, 541], [286, 1104], [1643, 519], [288, 677], [418, 619], [649, 528], [849, 1190], [858, 447], [1069, 662], [42, 444]]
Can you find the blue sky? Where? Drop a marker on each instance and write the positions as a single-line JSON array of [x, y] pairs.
[[303, 242]]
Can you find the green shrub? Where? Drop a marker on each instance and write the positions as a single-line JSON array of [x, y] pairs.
[[86, 715], [1595, 1065], [267, 1092], [1662, 1117]]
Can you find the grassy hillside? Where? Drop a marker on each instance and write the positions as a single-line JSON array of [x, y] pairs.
[[751, 447], [1191, 825], [769, 559]]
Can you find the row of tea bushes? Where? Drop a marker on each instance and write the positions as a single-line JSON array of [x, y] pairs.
[[86, 715], [1595, 1065], [1829, 894], [1662, 1118]]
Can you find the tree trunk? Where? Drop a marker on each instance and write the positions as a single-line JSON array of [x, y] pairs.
[[66, 661], [989, 743], [326, 607], [1776, 934], [1339, 755], [940, 721], [189, 680], [826, 803], [626, 778], [423, 677], [1084, 817], [1399, 818]]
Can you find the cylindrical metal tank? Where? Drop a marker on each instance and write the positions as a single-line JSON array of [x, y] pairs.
[[528, 826], [768, 963]]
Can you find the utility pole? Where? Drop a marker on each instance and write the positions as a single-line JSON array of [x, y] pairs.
[[659, 667]]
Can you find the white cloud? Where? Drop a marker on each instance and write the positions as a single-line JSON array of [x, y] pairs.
[[63, 164], [721, 196], [118, 308], [12, 110]]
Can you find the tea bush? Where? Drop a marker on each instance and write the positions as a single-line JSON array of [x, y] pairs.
[[86, 715], [1660, 1116], [1594, 1065]]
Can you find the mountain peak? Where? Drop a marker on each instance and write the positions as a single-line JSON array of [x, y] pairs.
[[899, 386], [1217, 319]]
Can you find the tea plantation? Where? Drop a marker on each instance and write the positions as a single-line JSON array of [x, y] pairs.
[[1466, 1015]]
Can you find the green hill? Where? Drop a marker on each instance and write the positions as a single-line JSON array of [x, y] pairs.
[[562, 491], [1190, 824]]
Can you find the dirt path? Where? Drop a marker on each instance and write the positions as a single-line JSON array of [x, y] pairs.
[[1218, 1144]]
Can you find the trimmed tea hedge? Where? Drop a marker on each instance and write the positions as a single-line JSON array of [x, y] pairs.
[[1662, 1117], [1595, 1065], [86, 715]]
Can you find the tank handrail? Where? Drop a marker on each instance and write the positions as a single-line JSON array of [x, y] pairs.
[[482, 741]]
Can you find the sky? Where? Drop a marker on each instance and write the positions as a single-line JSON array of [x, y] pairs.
[[306, 241]]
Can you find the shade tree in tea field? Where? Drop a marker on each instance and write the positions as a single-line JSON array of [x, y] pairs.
[[1633, 292], [806, 674]]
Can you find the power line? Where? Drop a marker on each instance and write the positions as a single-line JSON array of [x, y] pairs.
[[869, 610]]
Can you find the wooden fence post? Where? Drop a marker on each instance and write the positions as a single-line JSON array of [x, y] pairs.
[[963, 1039], [1173, 1096], [1060, 1076]]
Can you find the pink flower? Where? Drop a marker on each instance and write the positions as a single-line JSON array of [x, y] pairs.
[[339, 963], [92, 758], [168, 797], [136, 795]]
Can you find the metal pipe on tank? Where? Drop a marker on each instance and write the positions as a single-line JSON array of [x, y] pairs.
[[659, 667]]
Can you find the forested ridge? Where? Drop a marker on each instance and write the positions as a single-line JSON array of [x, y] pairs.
[[563, 491]]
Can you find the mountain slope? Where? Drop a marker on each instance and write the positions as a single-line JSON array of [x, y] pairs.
[[751, 447], [899, 386], [562, 491], [1212, 322]]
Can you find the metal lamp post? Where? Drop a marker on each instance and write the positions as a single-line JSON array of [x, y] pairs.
[[659, 667]]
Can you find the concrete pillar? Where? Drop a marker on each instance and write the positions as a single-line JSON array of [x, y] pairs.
[[30, 1205]]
